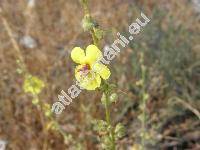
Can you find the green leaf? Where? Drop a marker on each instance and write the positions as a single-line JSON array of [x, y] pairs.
[[100, 125], [106, 143], [113, 97], [119, 130]]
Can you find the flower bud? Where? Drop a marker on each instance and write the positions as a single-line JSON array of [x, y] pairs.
[[87, 23], [113, 97], [98, 33]]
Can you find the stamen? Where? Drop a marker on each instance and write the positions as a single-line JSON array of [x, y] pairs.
[[84, 70]]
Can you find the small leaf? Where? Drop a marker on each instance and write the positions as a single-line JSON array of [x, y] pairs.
[[100, 125], [112, 86], [113, 97], [106, 143], [119, 130]]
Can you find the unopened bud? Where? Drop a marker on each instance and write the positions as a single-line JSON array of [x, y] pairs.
[[87, 23], [113, 97]]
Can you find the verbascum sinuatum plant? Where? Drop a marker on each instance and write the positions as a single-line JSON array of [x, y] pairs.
[[93, 75]]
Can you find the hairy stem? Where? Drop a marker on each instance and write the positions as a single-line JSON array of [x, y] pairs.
[[108, 120]]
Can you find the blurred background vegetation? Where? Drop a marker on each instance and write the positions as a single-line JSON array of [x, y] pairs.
[[47, 31]]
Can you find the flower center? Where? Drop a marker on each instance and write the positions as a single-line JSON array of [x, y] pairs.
[[85, 69]]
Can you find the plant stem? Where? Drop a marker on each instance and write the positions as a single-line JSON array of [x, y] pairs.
[[95, 39], [87, 12], [143, 124], [109, 121], [107, 110], [143, 105], [14, 42]]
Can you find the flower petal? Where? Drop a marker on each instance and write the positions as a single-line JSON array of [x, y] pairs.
[[78, 73], [89, 82], [93, 84], [102, 70], [93, 54], [78, 55], [33, 85]]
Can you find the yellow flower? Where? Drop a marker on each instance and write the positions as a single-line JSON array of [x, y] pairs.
[[33, 85], [89, 71]]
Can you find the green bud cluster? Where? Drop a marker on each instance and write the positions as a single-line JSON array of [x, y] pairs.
[[87, 23]]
